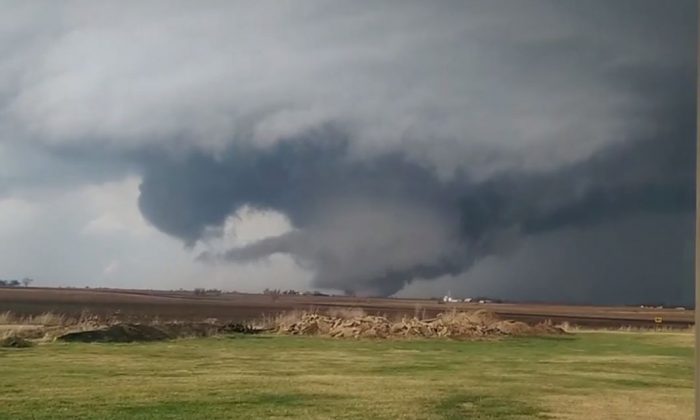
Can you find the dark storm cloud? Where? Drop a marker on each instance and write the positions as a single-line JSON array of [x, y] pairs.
[[587, 265], [310, 179], [392, 215], [403, 140], [315, 182]]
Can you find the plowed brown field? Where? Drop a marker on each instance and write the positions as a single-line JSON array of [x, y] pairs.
[[137, 305]]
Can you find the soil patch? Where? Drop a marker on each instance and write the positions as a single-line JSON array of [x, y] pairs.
[[120, 333], [128, 333]]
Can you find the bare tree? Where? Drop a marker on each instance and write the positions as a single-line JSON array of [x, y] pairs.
[[273, 293], [27, 281]]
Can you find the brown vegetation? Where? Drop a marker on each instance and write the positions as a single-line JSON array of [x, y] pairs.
[[339, 322], [458, 325]]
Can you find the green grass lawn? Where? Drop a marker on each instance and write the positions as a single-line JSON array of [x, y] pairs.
[[588, 375]]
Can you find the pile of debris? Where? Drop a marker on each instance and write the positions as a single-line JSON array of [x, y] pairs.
[[457, 325]]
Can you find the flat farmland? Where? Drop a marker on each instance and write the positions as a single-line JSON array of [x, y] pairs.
[[135, 305]]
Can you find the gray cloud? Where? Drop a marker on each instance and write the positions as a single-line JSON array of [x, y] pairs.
[[396, 76], [646, 258], [394, 242], [403, 140], [373, 226]]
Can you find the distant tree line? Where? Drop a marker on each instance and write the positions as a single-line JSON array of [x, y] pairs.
[[200, 291], [281, 292], [291, 292], [16, 283]]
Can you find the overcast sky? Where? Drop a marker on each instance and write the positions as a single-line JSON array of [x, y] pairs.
[[522, 149]]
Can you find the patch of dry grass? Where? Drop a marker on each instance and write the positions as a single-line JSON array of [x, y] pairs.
[[6, 317], [46, 319], [346, 313], [47, 326], [285, 318]]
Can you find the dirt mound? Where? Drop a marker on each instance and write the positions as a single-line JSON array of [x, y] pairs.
[[238, 328], [127, 333], [120, 333], [459, 325]]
